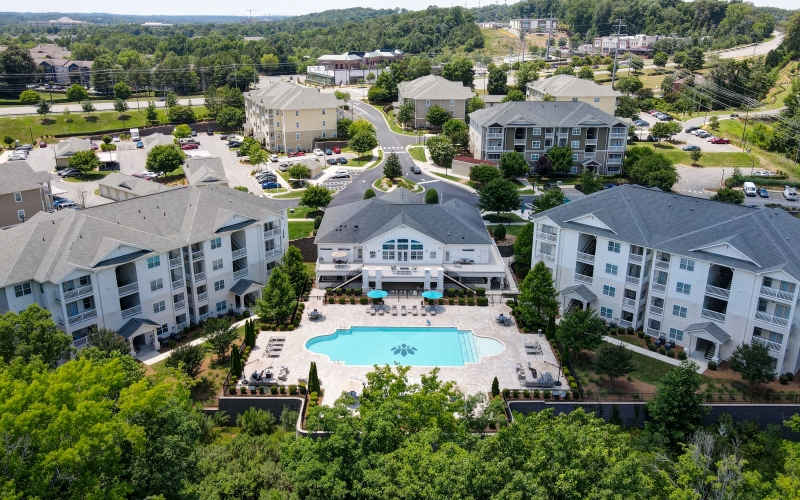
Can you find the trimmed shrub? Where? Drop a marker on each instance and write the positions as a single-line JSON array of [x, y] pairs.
[[483, 301], [342, 300], [290, 328], [261, 390], [461, 302], [536, 393], [470, 302], [283, 389], [661, 350], [652, 347], [506, 393], [526, 393], [629, 330], [712, 365], [546, 394], [640, 335], [670, 354], [682, 355], [273, 390], [352, 300], [573, 386], [363, 300], [783, 379], [441, 302], [451, 301], [613, 332], [480, 291], [331, 300], [302, 390], [515, 392]]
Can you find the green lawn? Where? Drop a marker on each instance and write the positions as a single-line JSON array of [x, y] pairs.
[[304, 213], [291, 194], [512, 230], [723, 160], [418, 153], [275, 190], [90, 177], [504, 217], [400, 182], [392, 123], [300, 229]]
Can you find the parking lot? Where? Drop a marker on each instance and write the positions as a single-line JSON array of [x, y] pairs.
[[339, 184], [688, 138]]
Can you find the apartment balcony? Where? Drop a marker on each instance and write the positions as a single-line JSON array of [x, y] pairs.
[[583, 278], [241, 272], [272, 253], [632, 280], [189, 278], [772, 346], [198, 255], [716, 291], [626, 302], [590, 142], [546, 236], [180, 305], [520, 142], [174, 262], [494, 148], [177, 284], [662, 264], [545, 257], [132, 311], [181, 326], [634, 257], [128, 289], [202, 297], [658, 311], [771, 319], [618, 136], [85, 315], [78, 292], [586, 257], [81, 342], [203, 317], [614, 160], [653, 332], [626, 323], [494, 135], [616, 148], [776, 294], [198, 277], [658, 287], [272, 232], [716, 316], [238, 254], [589, 154]]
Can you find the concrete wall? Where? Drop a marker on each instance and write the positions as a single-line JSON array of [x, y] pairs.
[[234, 406]]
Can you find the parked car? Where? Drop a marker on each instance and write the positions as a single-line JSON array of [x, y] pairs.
[[328, 151], [318, 152], [302, 153], [70, 204], [720, 140], [283, 167], [69, 172], [640, 123], [94, 146], [270, 185], [697, 131], [115, 138], [234, 144], [139, 145], [790, 193], [210, 131], [550, 185], [149, 175], [223, 137], [190, 145], [703, 134], [25, 147], [194, 133], [665, 118], [689, 130], [712, 138], [653, 111], [763, 193], [239, 153], [140, 176], [273, 157], [764, 173], [292, 155], [340, 175], [749, 189], [691, 147], [415, 169], [42, 144], [609, 186], [267, 177], [332, 161], [342, 160], [734, 115], [337, 150]]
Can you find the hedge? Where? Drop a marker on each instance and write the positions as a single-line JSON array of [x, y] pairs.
[[760, 181]]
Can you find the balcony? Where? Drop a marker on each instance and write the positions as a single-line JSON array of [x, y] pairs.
[[616, 148], [772, 346], [81, 342], [188, 278], [177, 284], [198, 255], [614, 160], [495, 135], [774, 293], [546, 236], [520, 142], [659, 311], [82, 316], [272, 253], [618, 136], [203, 317], [545, 257], [662, 264], [589, 154], [181, 326], [78, 292], [716, 291], [590, 142], [127, 313], [626, 323], [241, 272], [180, 305], [658, 287], [198, 277], [586, 257], [653, 332], [632, 280], [174, 262], [716, 316], [494, 148], [634, 257], [771, 319], [583, 278], [626, 302], [272, 232], [128, 289], [238, 254], [202, 297]]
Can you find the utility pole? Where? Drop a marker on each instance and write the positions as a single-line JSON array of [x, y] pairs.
[[549, 30], [616, 53], [522, 34]]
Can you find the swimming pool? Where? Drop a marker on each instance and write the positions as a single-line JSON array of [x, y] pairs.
[[411, 346]]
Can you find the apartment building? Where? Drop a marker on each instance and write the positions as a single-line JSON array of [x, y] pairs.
[[597, 139], [144, 267], [61, 22], [23, 193], [287, 117], [432, 90], [534, 25], [642, 45], [707, 275], [567, 88]]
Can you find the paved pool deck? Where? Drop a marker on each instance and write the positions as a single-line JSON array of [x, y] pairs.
[[338, 376]]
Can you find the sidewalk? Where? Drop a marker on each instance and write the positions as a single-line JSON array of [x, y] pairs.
[[430, 168], [162, 356], [655, 355]]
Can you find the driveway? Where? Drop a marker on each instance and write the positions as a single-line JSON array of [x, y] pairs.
[[688, 138]]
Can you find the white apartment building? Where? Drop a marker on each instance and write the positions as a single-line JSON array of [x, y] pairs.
[[534, 25], [144, 267], [705, 274]]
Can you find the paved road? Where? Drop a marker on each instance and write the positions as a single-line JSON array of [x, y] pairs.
[[76, 107], [747, 51]]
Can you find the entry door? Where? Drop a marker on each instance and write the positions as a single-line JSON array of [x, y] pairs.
[[402, 256]]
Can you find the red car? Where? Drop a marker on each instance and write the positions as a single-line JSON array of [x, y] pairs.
[[94, 146], [301, 153], [292, 154], [42, 144], [336, 150], [190, 146], [720, 140]]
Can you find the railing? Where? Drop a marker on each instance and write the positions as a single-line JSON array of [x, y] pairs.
[[589, 154], [203, 317], [628, 302], [546, 236], [199, 276], [716, 316], [618, 136], [616, 148], [544, 256], [633, 280], [587, 257], [237, 254], [771, 319], [81, 342], [494, 148], [772, 346], [456, 277], [777, 294], [520, 142], [57, 298], [626, 323], [82, 316], [198, 255], [658, 287], [633, 257], [174, 262], [717, 291], [591, 142], [662, 264], [614, 160], [131, 311], [272, 232], [202, 296], [272, 253], [240, 273], [583, 278], [181, 326], [78, 292], [653, 332], [129, 288], [657, 310], [189, 278], [495, 134], [180, 305], [177, 284]]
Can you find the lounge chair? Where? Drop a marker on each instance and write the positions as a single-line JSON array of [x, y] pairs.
[[414, 311], [394, 310], [403, 310], [372, 310], [423, 310], [369, 309], [380, 311], [433, 311]]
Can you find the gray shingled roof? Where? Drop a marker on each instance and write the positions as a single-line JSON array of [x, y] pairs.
[[571, 86], [285, 95], [50, 245], [201, 170], [582, 291], [766, 239], [130, 184], [18, 176], [545, 114], [453, 222], [433, 87], [72, 145], [157, 139], [241, 286], [710, 328], [132, 326]]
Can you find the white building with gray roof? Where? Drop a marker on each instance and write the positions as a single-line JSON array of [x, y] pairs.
[[707, 275], [397, 241], [144, 267], [432, 90], [568, 88]]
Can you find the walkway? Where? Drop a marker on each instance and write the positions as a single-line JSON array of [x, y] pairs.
[[703, 365], [162, 356]]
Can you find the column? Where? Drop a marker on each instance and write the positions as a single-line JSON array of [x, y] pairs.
[[427, 278], [364, 279], [130, 343], [378, 282], [440, 279], [156, 343]]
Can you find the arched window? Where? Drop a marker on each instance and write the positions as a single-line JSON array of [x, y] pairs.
[[416, 250], [388, 250]]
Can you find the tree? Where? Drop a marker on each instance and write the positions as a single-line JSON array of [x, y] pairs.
[[500, 232], [76, 93], [548, 98], [377, 95], [29, 97], [187, 358], [369, 194], [122, 91], [164, 158], [523, 248], [441, 150], [561, 158], [406, 113], [514, 95], [544, 166], [236, 362], [727, 195], [181, 114], [361, 126], [696, 155], [8, 140], [484, 173], [270, 62], [614, 361], [87, 107], [527, 72], [363, 142], [108, 342], [391, 168], [431, 197], [43, 109], [182, 131], [665, 130], [220, 334], [581, 329], [651, 169], [120, 106], [342, 96], [513, 164], [713, 122], [343, 128], [637, 63], [230, 118], [498, 195], [459, 70], [256, 422], [590, 183], [495, 388], [627, 107], [475, 104], [586, 73], [629, 84], [295, 269], [316, 196], [17, 69], [565, 70], [537, 297], [754, 363], [313, 378], [85, 161], [150, 112], [32, 333], [497, 81], [257, 156], [298, 171], [660, 59], [676, 409], [695, 59], [277, 300], [437, 115], [453, 126], [550, 199]]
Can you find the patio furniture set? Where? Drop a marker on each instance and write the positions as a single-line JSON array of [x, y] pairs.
[[403, 270], [274, 347], [266, 377], [545, 380], [380, 309], [504, 320], [533, 348]]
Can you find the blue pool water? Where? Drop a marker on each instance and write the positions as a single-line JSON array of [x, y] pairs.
[[433, 346]]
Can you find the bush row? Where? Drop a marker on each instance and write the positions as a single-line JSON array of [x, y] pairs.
[[291, 390], [536, 394], [760, 182]]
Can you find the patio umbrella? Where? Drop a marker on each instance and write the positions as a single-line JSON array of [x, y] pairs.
[[431, 294], [338, 254], [377, 294], [353, 386]]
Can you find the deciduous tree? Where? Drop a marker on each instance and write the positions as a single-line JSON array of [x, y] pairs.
[[363, 142], [590, 183], [676, 409], [361, 126], [164, 158], [459, 70], [120, 106], [88, 107], [514, 95], [614, 361], [230, 118], [581, 329], [437, 116], [182, 131], [561, 158], [220, 334], [728, 195], [43, 108], [277, 300], [187, 358], [316, 196], [497, 84], [298, 171], [523, 248], [550, 199], [122, 91], [475, 104], [76, 93], [406, 112], [754, 363], [150, 112], [537, 297], [484, 173], [85, 161], [498, 195], [431, 197], [29, 97], [295, 269], [108, 342], [660, 59], [586, 73], [32, 333], [441, 149], [513, 164]]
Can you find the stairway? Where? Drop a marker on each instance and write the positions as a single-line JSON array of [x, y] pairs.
[[590, 247], [710, 351]]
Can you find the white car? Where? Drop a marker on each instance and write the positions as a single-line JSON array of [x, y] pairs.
[[273, 158], [115, 139], [764, 173], [318, 152], [149, 175], [790, 193]]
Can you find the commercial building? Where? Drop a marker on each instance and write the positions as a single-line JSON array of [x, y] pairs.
[[61, 22], [68, 147], [432, 90], [350, 67], [23, 193], [144, 267], [156, 26], [567, 88], [597, 139], [534, 25], [707, 275], [638, 44]]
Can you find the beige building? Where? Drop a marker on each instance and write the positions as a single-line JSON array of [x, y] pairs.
[[68, 147], [23, 193], [431, 90], [566, 88], [121, 187], [287, 117]]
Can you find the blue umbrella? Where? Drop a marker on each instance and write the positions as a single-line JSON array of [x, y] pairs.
[[432, 294], [377, 294]]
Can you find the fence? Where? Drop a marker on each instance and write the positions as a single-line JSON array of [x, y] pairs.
[[632, 397]]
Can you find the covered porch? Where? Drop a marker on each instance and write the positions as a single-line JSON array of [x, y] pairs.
[[245, 293], [705, 341], [576, 296], [140, 332]]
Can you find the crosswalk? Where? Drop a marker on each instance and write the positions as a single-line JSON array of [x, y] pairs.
[[394, 149], [690, 191]]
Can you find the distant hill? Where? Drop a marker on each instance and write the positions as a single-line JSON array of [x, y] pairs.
[[11, 18]]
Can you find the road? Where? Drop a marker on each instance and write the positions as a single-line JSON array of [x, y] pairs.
[[75, 107], [748, 50]]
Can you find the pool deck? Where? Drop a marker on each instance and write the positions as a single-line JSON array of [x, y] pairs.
[[335, 376]]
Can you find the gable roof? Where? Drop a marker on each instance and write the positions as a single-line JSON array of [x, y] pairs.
[[285, 95], [571, 86], [204, 170], [453, 222], [130, 184], [433, 87], [18, 176], [72, 145], [157, 139], [538, 113], [752, 239]]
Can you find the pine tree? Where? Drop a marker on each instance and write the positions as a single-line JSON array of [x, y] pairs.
[[495, 388], [313, 379], [236, 362]]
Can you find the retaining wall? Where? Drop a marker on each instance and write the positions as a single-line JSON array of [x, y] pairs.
[[234, 406]]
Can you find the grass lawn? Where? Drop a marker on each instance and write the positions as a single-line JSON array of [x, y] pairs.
[[304, 213], [677, 155], [471, 184], [89, 177], [732, 129], [275, 190], [510, 230], [291, 194], [504, 217], [300, 229], [311, 268], [392, 123], [384, 184], [525, 191], [418, 153]]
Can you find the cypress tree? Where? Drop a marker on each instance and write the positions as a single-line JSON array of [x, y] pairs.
[[236, 363], [313, 379], [495, 388]]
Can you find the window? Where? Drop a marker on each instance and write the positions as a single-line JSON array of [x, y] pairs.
[[177, 298], [574, 99], [416, 245], [684, 288], [787, 286], [768, 335], [297, 113], [609, 290], [613, 246], [612, 269], [575, 144], [687, 264], [159, 306], [21, 215], [297, 136], [574, 158], [576, 131], [596, 99], [536, 144], [153, 262], [18, 197], [216, 243], [23, 289], [323, 123], [762, 305], [156, 284], [296, 124], [433, 255], [217, 264], [537, 131], [679, 311], [416, 255], [452, 102], [372, 254], [606, 313], [427, 103], [676, 334], [161, 330], [323, 112], [782, 311], [85, 280], [222, 305], [388, 255], [534, 157], [88, 303], [219, 285]]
